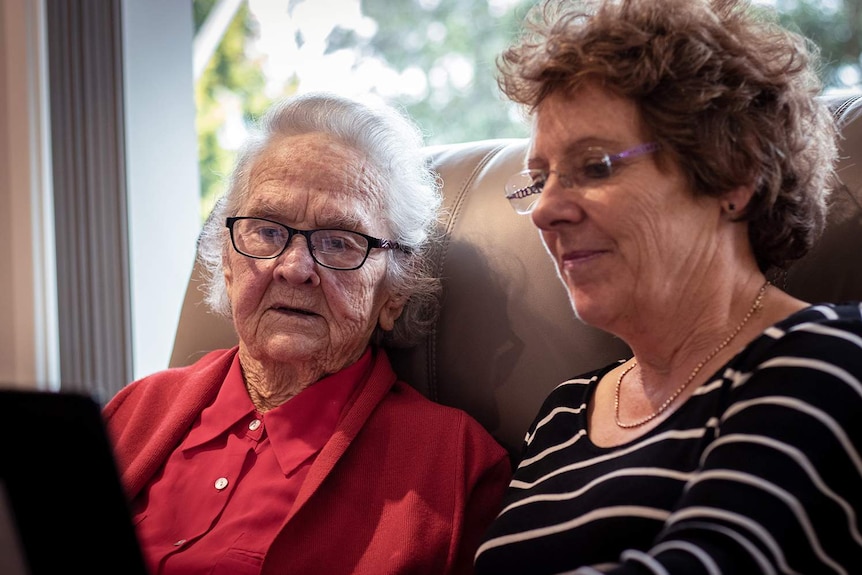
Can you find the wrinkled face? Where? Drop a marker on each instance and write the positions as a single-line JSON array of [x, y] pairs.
[[290, 310], [623, 240]]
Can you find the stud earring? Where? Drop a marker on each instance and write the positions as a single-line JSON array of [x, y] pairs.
[[731, 206]]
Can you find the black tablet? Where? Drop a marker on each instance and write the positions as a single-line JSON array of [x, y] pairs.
[[62, 507]]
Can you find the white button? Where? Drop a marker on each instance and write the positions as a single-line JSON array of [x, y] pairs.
[[255, 423], [221, 483]]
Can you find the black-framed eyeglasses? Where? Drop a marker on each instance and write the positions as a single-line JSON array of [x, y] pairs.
[[264, 239], [594, 164]]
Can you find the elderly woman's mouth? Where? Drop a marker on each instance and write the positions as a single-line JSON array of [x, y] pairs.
[[292, 310]]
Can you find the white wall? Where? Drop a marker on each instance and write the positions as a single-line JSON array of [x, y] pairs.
[[28, 333], [162, 170], [162, 184]]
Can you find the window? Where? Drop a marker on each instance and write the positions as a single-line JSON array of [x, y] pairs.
[[434, 58]]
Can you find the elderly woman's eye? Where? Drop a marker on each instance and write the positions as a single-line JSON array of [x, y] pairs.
[[271, 234], [333, 244], [339, 242]]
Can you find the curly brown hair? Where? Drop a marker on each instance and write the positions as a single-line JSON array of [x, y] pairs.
[[729, 93]]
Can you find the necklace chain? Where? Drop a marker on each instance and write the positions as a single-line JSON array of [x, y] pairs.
[[755, 306]]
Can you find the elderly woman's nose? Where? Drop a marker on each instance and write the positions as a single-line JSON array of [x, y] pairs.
[[295, 262]]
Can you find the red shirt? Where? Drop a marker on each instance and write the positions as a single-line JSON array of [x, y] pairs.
[[404, 486], [224, 494]]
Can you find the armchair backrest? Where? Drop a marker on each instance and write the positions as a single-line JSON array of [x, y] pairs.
[[507, 334]]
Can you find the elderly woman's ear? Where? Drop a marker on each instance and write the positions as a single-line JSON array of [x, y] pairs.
[[391, 311]]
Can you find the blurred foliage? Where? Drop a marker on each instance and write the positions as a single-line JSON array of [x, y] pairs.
[[473, 34], [431, 35], [834, 26], [450, 112], [230, 77]]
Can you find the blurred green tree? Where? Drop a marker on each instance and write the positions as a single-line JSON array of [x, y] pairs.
[[455, 43], [231, 78], [448, 48], [833, 25]]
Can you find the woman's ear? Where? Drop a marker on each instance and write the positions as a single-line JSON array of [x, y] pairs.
[[734, 202], [391, 311]]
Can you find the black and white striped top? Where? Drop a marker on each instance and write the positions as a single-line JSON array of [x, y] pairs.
[[759, 471]]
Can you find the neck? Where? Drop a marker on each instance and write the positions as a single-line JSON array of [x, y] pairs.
[[271, 386], [671, 334], [665, 399]]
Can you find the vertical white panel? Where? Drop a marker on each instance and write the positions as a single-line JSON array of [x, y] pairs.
[[162, 170], [28, 314]]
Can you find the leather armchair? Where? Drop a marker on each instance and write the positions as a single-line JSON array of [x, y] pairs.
[[507, 334]]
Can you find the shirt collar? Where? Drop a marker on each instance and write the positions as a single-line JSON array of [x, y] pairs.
[[299, 428], [231, 405]]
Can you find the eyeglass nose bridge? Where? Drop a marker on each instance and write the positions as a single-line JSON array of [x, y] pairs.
[[565, 180], [292, 233]]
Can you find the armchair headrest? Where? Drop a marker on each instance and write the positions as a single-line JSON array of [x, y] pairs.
[[507, 334]]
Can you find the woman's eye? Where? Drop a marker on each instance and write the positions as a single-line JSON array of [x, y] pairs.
[[333, 244], [596, 168], [271, 234]]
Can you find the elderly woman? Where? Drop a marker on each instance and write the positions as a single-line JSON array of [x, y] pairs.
[[679, 157], [299, 451]]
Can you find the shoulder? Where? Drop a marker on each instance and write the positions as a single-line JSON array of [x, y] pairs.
[[159, 390], [819, 333], [406, 401], [808, 365], [578, 389], [433, 424]]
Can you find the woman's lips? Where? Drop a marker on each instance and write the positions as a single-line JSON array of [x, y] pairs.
[[576, 257], [292, 310]]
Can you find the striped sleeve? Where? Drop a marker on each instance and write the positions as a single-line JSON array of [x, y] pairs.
[[781, 484]]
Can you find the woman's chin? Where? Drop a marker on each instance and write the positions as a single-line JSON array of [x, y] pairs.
[[287, 348], [590, 310]]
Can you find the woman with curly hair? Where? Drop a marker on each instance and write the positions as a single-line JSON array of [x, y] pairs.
[[679, 160]]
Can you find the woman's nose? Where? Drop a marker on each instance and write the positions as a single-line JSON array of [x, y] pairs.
[[295, 263], [556, 204]]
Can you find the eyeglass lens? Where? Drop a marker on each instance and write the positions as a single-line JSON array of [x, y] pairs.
[[338, 249], [523, 189]]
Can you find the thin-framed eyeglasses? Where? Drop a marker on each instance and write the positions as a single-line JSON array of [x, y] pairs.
[[335, 249], [587, 169]]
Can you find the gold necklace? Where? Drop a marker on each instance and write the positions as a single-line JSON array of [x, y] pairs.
[[752, 310]]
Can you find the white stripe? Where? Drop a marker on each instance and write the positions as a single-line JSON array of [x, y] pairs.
[[738, 378], [829, 331], [550, 416], [774, 332], [827, 311], [756, 529], [576, 381], [528, 438], [585, 571], [632, 471], [672, 434], [761, 560], [596, 515], [792, 503], [816, 364], [701, 555], [645, 560], [818, 414], [568, 443], [802, 461]]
